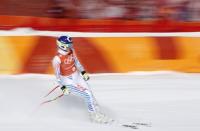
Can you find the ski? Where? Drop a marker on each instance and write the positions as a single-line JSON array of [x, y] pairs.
[[142, 124], [136, 125], [132, 125]]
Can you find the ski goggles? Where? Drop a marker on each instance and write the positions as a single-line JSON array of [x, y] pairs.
[[64, 46]]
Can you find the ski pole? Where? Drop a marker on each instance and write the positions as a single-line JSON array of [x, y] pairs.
[[52, 99], [52, 90]]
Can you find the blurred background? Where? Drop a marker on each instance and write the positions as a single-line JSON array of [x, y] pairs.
[[102, 15], [178, 10], [33, 54]]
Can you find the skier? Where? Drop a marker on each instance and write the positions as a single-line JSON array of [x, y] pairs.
[[72, 77]]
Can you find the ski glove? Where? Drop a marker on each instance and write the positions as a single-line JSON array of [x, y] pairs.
[[65, 90], [85, 75]]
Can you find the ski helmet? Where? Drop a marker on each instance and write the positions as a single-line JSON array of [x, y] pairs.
[[64, 42]]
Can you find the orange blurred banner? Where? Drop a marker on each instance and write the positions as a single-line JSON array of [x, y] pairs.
[[33, 54]]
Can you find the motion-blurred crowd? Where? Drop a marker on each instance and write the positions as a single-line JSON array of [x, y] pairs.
[[178, 10]]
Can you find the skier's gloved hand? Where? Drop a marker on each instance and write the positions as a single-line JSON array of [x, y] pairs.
[[85, 75], [65, 90]]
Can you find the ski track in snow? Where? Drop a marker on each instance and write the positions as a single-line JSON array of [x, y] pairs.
[[170, 101]]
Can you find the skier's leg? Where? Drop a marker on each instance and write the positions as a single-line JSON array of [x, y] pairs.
[[96, 115], [75, 87], [83, 83], [85, 94]]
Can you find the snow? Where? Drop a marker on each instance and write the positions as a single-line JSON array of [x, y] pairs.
[[170, 101]]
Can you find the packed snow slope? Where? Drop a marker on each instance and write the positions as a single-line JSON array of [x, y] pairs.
[[169, 101]]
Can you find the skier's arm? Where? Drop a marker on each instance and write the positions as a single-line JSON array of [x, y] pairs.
[[56, 65], [80, 67], [77, 63]]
